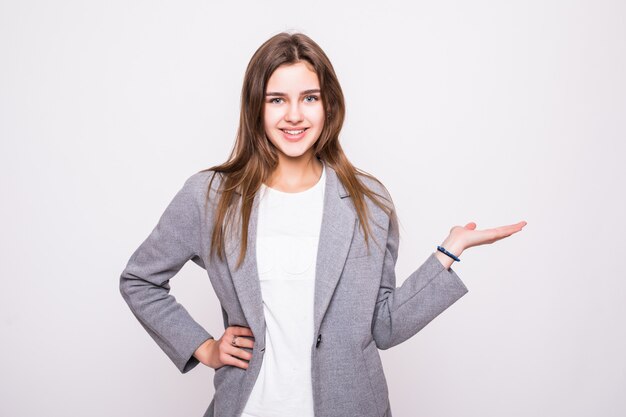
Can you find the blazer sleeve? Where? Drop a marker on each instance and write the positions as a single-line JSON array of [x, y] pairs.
[[402, 312], [144, 283]]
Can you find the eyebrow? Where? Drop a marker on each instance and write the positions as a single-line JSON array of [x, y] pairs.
[[274, 93]]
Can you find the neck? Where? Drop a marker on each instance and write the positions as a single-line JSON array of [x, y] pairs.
[[294, 174]]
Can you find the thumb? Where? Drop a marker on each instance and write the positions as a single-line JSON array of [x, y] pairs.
[[470, 226]]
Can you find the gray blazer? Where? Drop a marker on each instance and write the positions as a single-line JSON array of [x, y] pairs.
[[357, 307]]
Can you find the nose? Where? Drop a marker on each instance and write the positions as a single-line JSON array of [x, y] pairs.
[[294, 113]]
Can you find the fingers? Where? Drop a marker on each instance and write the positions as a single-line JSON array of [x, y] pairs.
[[241, 342], [512, 228], [517, 225], [473, 237], [235, 355], [242, 334], [240, 331], [498, 233]]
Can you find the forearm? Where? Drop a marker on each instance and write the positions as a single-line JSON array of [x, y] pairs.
[[402, 312]]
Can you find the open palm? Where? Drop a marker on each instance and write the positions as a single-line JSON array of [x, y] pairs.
[[468, 236]]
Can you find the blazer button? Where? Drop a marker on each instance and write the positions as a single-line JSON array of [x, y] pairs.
[[319, 340]]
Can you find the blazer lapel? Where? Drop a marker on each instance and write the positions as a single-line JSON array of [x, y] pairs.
[[338, 223], [246, 278]]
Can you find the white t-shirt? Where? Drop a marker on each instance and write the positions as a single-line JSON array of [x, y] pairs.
[[287, 238]]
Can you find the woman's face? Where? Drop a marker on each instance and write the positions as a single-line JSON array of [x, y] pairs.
[[294, 113]]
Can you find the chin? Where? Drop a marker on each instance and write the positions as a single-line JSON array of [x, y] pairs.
[[294, 154], [293, 150]]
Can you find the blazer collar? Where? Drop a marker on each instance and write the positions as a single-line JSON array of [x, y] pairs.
[[338, 225]]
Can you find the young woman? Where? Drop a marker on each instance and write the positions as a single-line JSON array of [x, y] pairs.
[[300, 247]]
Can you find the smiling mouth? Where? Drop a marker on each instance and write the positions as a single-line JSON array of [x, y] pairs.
[[294, 132]]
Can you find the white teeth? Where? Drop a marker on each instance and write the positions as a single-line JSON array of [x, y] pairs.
[[294, 132]]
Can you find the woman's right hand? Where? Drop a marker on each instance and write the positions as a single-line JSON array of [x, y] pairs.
[[217, 353]]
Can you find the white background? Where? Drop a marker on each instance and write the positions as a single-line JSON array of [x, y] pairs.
[[490, 111]]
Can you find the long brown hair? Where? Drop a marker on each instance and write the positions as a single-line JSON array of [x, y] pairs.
[[254, 157]]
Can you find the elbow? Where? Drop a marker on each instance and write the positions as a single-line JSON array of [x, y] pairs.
[[128, 291], [126, 284], [123, 288]]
